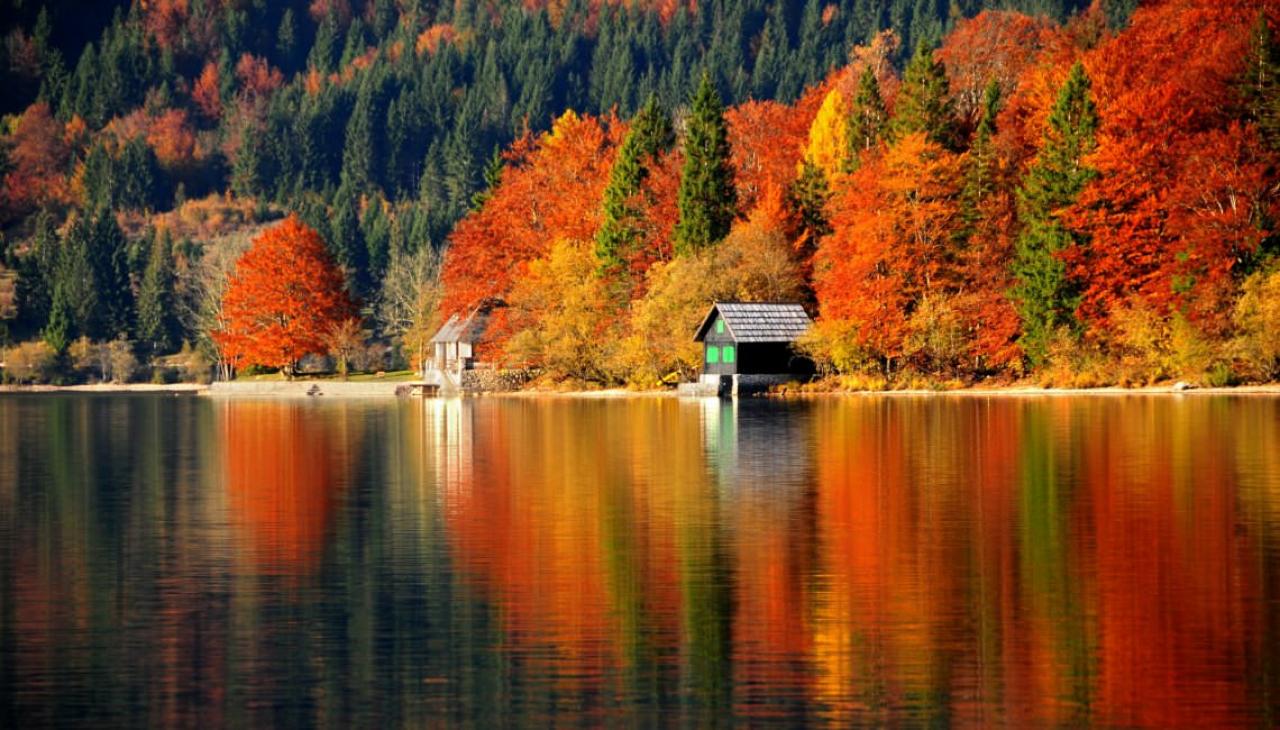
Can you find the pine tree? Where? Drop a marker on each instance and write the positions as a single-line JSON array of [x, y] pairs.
[[157, 326], [108, 259], [1260, 82], [60, 329], [346, 242], [923, 105], [981, 165], [650, 134], [707, 199], [1044, 295], [867, 117], [808, 196], [492, 178]]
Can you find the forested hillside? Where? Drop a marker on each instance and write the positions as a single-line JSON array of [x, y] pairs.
[[146, 142]]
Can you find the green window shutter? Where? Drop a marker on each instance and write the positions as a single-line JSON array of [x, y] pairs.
[[713, 354], [719, 326], [728, 353]]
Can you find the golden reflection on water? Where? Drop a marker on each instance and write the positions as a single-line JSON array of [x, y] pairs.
[[1017, 561]]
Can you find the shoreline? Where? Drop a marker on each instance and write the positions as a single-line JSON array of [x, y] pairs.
[[106, 389], [299, 388]]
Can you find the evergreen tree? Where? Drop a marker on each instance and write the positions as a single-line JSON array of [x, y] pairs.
[[1260, 83], [325, 49], [157, 325], [60, 329], [1045, 298], [360, 158], [492, 178], [36, 272], [808, 196], [287, 40], [347, 242], [923, 104], [707, 199], [867, 117], [981, 165], [650, 134], [108, 258]]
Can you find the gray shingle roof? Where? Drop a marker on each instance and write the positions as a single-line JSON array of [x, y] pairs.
[[470, 329], [758, 321]]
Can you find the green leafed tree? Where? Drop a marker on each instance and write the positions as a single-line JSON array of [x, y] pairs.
[[1045, 297], [649, 135], [923, 103], [706, 199]]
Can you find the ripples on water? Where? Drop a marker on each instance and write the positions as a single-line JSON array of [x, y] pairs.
[[1021, 561]]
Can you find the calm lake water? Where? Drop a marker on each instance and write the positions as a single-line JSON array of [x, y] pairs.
[[648, 561]]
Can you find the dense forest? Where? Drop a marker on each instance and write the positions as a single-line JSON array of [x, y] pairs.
[[958, 192]]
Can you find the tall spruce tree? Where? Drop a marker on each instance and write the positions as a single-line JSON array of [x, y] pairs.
[[157, 325], [707, 199], [108, 257], [867, 117], [1045, 297], [650, 134], [981, 165], [1260, 82], [923, 104]]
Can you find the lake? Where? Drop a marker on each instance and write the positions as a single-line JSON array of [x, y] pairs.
[[1028, 561]]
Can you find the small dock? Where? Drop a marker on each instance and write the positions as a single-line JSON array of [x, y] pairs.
[[423, 389]]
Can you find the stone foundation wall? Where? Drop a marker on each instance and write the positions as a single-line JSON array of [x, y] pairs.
[[725, 386], [494, 381]]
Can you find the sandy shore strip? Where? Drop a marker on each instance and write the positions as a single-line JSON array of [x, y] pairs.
[[108, 388]]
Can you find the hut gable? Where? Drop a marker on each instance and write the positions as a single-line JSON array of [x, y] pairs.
[[757, 321]]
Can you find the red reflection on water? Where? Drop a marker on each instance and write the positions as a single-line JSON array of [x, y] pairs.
[[285, 465]]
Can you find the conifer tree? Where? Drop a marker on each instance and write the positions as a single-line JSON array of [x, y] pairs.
[[157, 326], [707, 199], [492, 178], [980, 165], [808, 196], [1044, 296], [60, 329], [1260, 83], [923, 104], [867, 117], [108, 258], [649, 135]]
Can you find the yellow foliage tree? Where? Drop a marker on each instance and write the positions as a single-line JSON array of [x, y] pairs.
[[828, 148], [562, 307]]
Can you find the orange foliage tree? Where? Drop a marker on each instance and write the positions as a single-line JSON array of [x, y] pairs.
[[891, 251], [285, 297], [550, 190], [38, 161]]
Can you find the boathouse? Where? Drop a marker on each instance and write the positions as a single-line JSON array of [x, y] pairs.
[[752, 343], [455, 346]]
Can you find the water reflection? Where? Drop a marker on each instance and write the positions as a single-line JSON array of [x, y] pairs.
[[847, 561]]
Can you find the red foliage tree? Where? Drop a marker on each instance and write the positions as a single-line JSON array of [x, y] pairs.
[[767, 140], [285, 296], [995, 45], [1171, 211]]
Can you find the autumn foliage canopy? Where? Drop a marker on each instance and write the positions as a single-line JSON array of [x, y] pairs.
[[285, 297]]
